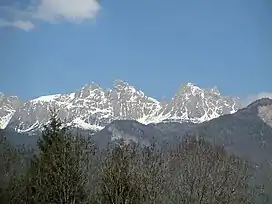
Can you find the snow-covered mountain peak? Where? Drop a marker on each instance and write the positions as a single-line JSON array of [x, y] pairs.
[[47, 99], [91, 86], [93, 107], [191, 86], [120, 82], [188, 89], [123, 86], [88, 90], [191, 103], [215, 90], [8, 107]]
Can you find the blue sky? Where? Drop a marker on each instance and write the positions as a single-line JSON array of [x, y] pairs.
[[57, 46]]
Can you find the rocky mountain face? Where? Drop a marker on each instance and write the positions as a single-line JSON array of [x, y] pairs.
[[8, 107], [264, 110], [246, 133], [93, 107], [194, 104]]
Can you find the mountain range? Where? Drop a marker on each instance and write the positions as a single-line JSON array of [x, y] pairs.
[[125, 112], [246, 133], [93, 107]]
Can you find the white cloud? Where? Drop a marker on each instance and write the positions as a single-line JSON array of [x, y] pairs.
[[51, 11], [24, 25], [253, 97], [70, 10]]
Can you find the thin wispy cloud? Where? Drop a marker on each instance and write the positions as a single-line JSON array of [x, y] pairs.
[[70, 10], [50, 11], [24, 25], [253, 97]]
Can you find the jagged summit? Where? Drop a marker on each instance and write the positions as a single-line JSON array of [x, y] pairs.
[[90, 86], [187, 87], [93, 107], [8, 106], [119, 82]]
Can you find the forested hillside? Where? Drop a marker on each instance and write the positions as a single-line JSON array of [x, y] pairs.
[[69, 168]]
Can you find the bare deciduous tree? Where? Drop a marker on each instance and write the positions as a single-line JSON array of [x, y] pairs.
[[14, 162], [119, 182], [68, 170], [205, 174]]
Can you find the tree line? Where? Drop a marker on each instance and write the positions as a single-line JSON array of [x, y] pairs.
[[69, 168]]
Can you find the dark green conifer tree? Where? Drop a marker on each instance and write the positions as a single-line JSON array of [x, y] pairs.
[[59, 172]]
